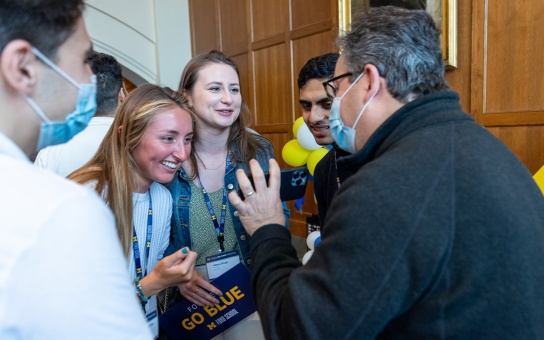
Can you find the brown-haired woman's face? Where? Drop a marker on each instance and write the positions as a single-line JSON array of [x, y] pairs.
[[216, 96]]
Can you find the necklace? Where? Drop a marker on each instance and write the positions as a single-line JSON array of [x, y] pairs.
[[204, 165]]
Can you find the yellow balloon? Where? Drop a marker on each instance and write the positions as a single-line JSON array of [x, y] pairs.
[[296, 125], [314, 158], [294, 154], [539, 179]]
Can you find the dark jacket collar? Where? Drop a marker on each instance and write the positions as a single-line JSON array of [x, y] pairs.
[[431, 109]]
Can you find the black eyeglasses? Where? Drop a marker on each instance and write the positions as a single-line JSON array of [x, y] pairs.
[[330, 89]]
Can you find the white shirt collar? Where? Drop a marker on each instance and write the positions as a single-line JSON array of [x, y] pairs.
[[9, 148]]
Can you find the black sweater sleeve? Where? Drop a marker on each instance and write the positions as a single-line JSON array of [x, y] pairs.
[[274, 258]]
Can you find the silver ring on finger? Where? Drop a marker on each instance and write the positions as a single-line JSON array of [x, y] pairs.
[[249, 193]]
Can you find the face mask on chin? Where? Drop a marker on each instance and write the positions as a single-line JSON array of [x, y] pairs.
[[345, 136], [57, 132]]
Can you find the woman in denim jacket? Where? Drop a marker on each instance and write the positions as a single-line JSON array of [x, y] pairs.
[[181, 192], [222, 144]]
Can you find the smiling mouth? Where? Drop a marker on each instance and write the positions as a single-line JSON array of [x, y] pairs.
[[169, 164], [320, 128]]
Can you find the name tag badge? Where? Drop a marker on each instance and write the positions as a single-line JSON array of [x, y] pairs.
[[153, 323], [218, 264]]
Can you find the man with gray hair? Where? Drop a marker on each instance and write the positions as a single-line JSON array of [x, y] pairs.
[[439, 231]]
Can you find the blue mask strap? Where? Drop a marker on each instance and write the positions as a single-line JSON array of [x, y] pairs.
[[350, 86], [36, 108], [49, 63]]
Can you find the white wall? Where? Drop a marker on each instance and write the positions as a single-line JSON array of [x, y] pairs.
[[150, 38]]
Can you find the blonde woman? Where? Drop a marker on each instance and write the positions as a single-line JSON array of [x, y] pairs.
[[146, 144]]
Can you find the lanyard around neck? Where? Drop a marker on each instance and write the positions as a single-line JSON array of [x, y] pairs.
[[219, 226], [336, 168], [136, 249]]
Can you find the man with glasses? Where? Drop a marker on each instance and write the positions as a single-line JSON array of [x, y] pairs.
[[316, 106], [439, 232]]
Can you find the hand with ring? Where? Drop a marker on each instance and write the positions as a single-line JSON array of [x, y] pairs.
[[265, 206], [201, 297]]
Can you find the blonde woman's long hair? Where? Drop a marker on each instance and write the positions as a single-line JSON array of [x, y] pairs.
[[112, 168]]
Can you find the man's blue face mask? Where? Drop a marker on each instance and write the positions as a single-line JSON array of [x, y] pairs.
[[345, 136], [51, 132]]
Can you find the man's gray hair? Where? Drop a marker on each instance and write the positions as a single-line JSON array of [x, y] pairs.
[[404, 45]]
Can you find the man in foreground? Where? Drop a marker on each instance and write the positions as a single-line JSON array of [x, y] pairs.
[[62, 272], [437, 234], [64, 158]]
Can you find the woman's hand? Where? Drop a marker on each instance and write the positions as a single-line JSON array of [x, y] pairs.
[[198, 291], [171, 271]]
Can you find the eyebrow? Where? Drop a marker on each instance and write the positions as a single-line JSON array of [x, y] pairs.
[[174, 132], [323, 100], [320, 101], [220, 83], [177, 133]]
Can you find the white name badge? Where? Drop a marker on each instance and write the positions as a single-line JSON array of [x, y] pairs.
[[153, 323], [220, 263]]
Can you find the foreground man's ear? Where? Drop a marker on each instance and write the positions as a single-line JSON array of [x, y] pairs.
[[19, 66], [373, 84]]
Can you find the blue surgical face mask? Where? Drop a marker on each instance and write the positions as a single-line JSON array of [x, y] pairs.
[[345, 136], [51, 132]]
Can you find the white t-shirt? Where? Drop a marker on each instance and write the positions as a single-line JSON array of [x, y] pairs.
[[63, 159], [62, 271]]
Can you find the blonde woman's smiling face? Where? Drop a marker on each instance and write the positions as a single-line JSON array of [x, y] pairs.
[[165, 145]]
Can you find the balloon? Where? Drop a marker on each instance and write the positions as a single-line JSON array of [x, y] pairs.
[[306, 139], [314, 158], [294, 154], [299, 122], [312, 239], [539, 179], [307, 256]]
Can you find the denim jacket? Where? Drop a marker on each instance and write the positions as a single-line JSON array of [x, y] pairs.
[[180, 188]]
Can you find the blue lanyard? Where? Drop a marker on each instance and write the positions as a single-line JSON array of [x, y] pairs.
[[136, 249], [219, 226]]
